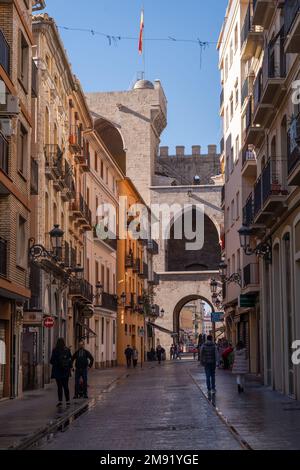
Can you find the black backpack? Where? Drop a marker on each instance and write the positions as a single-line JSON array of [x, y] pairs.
[[64, 359]]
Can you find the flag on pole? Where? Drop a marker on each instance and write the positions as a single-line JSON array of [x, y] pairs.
[[141, 33]]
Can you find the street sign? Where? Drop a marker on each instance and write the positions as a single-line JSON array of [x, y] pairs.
[[49, 322], [246, 301], [217, 317]]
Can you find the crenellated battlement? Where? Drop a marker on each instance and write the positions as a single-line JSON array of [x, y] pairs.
[[196, 151]]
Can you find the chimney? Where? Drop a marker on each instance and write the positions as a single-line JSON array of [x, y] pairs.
[[212, 149], [164, 151], [196, 150], [180, 151]]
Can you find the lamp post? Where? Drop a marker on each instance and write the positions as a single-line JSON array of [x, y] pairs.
[[56, 238], [234, 278], [263, 249]]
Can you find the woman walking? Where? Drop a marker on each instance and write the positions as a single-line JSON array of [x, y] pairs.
[[240, 365], [135, 356], [61, 361]]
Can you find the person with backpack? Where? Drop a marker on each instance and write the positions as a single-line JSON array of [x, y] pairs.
[[160, 353], [61, 361], [83, 360], [209, 359]]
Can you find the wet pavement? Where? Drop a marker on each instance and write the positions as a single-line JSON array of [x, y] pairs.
[[156, 408], [265, 419], [28, 416]]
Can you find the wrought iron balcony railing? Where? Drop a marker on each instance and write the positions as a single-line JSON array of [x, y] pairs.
[[4, 53], [54, 160], [82, 289], [4, 153], [109, 302], [248, 211]]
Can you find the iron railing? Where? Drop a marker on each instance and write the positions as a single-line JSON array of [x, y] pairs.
[[248, 27], [248, 155], [79, 205], [4, 152], [129, 261], [109, 301], [3, 257], [291, 10], [223, 194], [222, 98], [4, 53], [82, 289], [75, 137], [145, 272], [257, 196], [54, 158], [245, 91], [248, 211]]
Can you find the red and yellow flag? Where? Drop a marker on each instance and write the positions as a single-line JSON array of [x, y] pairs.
[[141, 38]]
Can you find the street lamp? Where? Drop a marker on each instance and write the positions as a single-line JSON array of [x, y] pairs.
[[78, 271], [235, 277], [263, 249], [213, 286], [56, 238], [161, 313]]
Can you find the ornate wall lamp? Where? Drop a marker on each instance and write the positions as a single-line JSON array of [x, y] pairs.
[[263, 249]]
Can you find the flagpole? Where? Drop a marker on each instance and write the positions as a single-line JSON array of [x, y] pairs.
[[144, 44]]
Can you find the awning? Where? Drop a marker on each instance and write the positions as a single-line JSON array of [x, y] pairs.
[[88, 329], [161, 328]]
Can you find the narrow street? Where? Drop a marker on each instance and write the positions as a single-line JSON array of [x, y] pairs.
[[154, 408]]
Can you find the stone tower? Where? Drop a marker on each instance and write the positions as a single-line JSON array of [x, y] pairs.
[[140, 115]]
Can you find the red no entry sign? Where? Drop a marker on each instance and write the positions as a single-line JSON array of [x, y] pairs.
[[49, 322]]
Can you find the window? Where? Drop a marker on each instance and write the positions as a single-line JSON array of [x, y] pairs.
[[231, 106], [22, 149], [96, 162], [232, 211], [231, 160], [102, 274], [102, 330], [226, 68], [97, 272], [23, 65], [237, 205], [236, 38], [227, 119], [21, 242], [106, 179], [237, 148], [88, 269], [114, 332], [102, 169], [231, 54], [233, 263], [228, 217], [114, 283], [236, 93], [107, 280], [238, 260]]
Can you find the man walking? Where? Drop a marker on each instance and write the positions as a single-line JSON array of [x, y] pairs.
[[209, 359], [128, 353], [83, 359]]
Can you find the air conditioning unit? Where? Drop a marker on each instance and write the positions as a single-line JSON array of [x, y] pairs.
[[6, 127], [13, 104]]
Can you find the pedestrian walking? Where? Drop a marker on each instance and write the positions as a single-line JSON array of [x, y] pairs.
[[135, 356], [128, 354], [61, 361], [240, 365], [209, 359], [160, 353], [172, 352], [83, 360]]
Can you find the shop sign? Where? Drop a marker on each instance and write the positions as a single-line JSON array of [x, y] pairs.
[[217, 317], [247, 301]]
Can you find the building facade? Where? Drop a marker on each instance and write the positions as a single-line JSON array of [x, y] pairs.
[[17, 77]]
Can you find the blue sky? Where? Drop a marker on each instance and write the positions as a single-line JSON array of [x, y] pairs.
[[192, 93]]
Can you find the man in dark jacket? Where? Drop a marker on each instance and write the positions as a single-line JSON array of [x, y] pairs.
[[209, 359], [83, 359], [128, 354]]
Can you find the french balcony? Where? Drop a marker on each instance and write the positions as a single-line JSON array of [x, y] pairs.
[[69, 256], [82, 158], [269, 86], [129, 261], [251, 278], [292, 26], [53, 162], [130, 301], [252, 37], [294, 152], [68, 191], [75, 139], [154, 280], [249, 163], [34, 178], [145, 271], [137, 266], [153, 247], [270, 195], [4, 154], [263, 11], [81, 290], [4, 53], [248, 211], [81, 212], [253, 135], [34, 80], [109, 302], [3, 257]]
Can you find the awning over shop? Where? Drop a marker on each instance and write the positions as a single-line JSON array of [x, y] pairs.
[[87, 329], [161, 328]]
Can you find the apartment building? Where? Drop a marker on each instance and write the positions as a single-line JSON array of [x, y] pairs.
[[241, 286], [16, 122]]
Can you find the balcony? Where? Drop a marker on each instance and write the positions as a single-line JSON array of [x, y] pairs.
[[130, 301], [292, 26], [68, 191], [253, 134], [222, 102], [251, 278], [294, 152], [263, 11], [153, 247], [34, 80], [269, 86], [82, 290], [251, 38], [144, 274], [82, 157], [110, 242], [154, 280], [248, 211], [3, 257], [137, 267], [129, 261], [269, 194], [245, 91], [4, 154], [81, 212], [53, 162], [249, 163], [4, 53], [109, 302], [34, 178]]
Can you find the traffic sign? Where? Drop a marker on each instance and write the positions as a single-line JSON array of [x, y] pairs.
[[49, 322], [217, 317]]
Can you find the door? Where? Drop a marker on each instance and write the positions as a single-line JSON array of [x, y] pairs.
[[29, 357]]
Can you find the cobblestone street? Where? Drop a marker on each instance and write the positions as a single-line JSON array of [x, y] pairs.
[[154, 408]]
